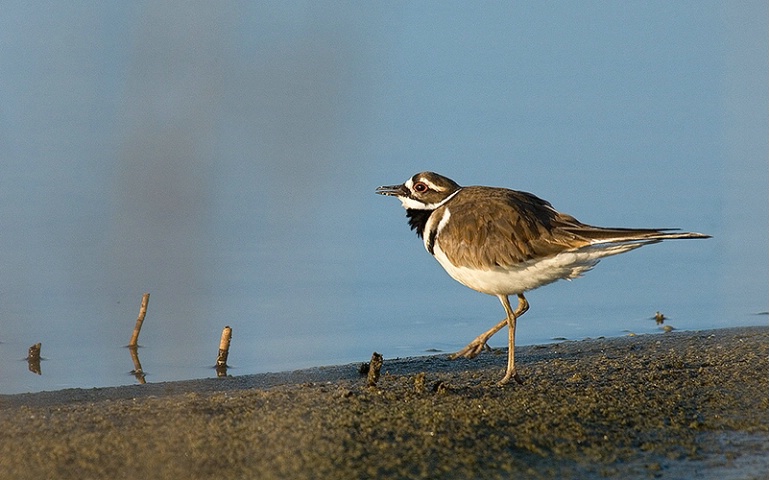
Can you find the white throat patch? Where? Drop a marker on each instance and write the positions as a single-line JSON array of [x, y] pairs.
[[411, 204]]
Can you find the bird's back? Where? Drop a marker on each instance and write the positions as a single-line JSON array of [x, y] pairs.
[[492, 227]]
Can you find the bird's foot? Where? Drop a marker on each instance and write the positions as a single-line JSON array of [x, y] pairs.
[[472, 349], [508, 375]]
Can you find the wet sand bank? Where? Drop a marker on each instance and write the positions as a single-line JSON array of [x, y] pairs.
[[675, 405]]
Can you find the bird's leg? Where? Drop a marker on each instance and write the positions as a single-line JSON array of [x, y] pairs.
[[479, 344], [511, 319]]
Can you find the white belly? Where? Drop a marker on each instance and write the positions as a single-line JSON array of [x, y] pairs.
[[530, 274]]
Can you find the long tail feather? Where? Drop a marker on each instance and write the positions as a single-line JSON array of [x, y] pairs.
[[598, 235]]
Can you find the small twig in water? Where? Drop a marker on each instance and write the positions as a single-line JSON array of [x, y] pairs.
[[139, 321], [33, 358], [224, 348]]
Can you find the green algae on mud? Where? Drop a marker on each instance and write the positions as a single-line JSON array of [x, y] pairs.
[[669, 405]]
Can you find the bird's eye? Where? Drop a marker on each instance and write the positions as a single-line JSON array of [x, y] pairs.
[[421, 187]]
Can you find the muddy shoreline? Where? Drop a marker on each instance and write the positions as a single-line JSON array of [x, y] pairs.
[[674, 405]]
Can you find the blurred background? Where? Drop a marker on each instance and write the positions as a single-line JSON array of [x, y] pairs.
[[224, 156]]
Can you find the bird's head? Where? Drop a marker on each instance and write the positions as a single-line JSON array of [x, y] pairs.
[[423, 191]]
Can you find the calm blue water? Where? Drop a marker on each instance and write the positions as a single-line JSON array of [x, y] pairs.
[[225, 161]]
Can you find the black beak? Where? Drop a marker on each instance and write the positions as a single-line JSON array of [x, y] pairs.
[[393, 190]]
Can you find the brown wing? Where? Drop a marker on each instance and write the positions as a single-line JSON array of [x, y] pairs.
[[498, 227]]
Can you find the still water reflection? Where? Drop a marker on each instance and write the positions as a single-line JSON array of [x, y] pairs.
[[391, 298]]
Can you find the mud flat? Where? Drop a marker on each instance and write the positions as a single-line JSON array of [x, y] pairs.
[[674, 405]]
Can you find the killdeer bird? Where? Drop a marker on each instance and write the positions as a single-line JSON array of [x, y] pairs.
[[504, 242]]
